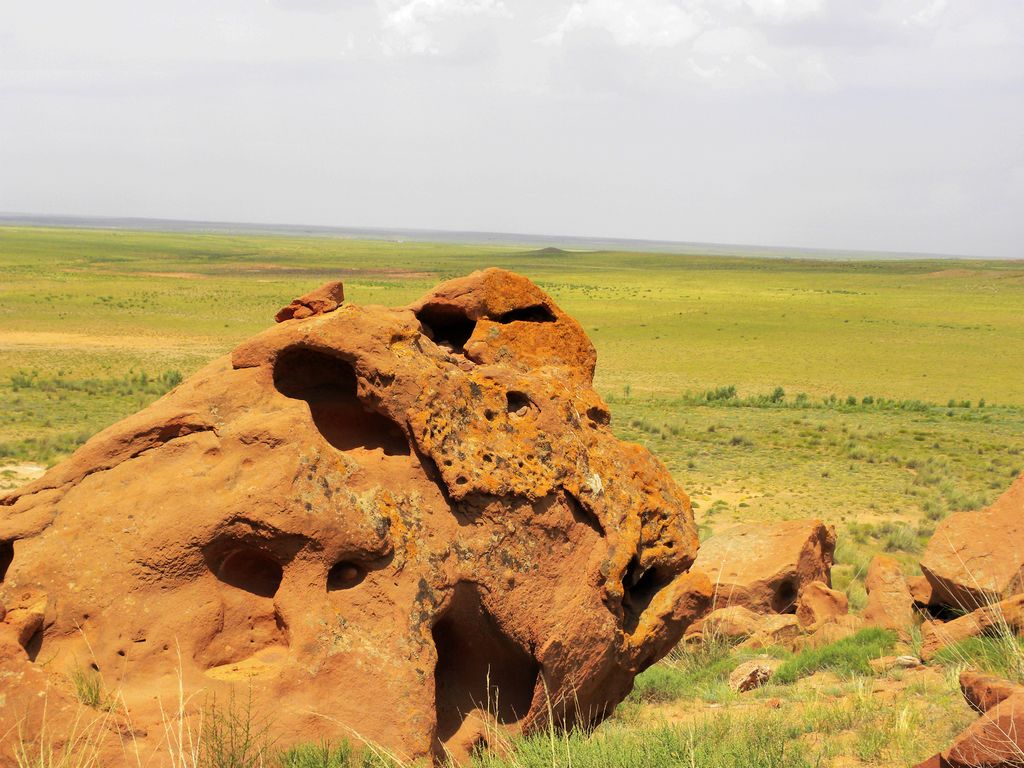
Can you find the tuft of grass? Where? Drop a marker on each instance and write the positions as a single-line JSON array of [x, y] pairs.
[[88, 687], [76, 747], [764, 740], [1002, 655], [322, 755], [688, 671], [232, 738], [847, 657]]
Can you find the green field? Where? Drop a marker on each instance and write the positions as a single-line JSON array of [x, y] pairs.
[[897, 385], [878, 396]]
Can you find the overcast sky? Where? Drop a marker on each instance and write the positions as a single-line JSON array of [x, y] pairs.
[[868, 124]]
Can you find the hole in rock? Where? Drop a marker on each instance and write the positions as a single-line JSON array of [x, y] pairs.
[[478, 667], [446, 325], [638, 590], [941, 613], [785, 597], [599, 415], [329, 386], [250, 570], [516, 401], [345, 575], [535, 314], [34, 645], [6, 558], [583, 515]]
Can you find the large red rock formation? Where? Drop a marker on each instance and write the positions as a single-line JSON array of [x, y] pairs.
[[764, 566], [386, 521], [977, 558]]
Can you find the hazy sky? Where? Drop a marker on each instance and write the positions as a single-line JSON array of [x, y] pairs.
[[875, 124]]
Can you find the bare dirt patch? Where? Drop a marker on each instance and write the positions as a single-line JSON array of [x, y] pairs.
[[18, 474]]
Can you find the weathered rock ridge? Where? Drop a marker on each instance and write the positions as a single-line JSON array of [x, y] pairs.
[[387, 522]]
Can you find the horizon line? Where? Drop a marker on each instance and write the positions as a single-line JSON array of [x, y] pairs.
[[466, 237]]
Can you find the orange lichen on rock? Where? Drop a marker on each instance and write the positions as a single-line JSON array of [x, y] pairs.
[[413, 524]]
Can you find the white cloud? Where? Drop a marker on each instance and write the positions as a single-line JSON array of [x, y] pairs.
[[784, 11], [691, 119], [409, 24], [649, 23]]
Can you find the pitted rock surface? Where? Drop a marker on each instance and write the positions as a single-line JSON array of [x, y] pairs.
[[397, 523]]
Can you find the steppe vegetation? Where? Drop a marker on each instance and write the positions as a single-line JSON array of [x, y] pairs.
[[878, 396]]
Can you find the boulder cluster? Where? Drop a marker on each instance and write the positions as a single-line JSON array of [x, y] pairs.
[[772, 586], [973, 586]]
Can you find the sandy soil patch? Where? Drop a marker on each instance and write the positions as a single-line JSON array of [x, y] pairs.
[[18, 474]]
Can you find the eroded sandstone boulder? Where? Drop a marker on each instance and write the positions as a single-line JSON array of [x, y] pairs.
[[818, 603], [890, 603], [977, 558], [405, 524], [763, 566]]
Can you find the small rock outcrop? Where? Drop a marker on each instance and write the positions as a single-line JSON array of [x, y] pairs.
[[764, 566], [413, 524], [818, 603], [753, 674], [326, 298], [977, 558], [890, 603]]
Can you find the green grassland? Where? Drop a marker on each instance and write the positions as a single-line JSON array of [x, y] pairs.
[[878, 396]]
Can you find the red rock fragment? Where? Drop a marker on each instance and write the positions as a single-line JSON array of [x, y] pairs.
[[327, 298], [890, 604], [817, 604]]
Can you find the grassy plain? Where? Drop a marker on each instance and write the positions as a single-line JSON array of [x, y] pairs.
[[878, 396]]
